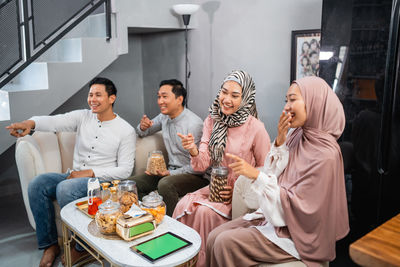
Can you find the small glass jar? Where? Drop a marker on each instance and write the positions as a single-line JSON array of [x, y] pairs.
[[156, 162], [153, 203], [114, 194], [105, 193], [106, 217], [219, 178], [127, 194]]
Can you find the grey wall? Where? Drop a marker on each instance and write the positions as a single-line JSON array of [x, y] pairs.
[[229, 35], [151, 58], [237, 34], [251, 35], [162, 59], [234, 34], [127, 74]]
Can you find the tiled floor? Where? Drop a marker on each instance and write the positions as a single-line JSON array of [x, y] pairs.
[[18, 247]]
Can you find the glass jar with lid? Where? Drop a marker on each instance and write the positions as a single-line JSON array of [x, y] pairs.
[[153, 203], [127, 194], [106, 217], [156, 163], [94, 196], [219, 178], [105, 192]]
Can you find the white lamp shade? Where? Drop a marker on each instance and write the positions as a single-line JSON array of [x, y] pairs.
[[185, 9]]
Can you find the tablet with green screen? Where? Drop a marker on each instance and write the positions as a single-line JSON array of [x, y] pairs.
[[160, 246]]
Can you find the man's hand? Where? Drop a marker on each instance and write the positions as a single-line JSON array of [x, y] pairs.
[[227, 194], [20, 129], [188, 144], [145, 123], [241, 167], [80, 174], [283, 128], [161, 174]]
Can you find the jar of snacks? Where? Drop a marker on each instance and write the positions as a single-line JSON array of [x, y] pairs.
[[106, 217], [153, 203], [127, 194], [114, 194], [219, 178], [156, 162], [105, 193], [114, 190]]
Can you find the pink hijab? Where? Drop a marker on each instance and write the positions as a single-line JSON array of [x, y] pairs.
[[313, 192]]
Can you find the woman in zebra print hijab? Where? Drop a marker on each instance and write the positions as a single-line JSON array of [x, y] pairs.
[[232, 127], [223, 119]]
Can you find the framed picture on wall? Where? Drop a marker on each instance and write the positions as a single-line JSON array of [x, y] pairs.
[[305, 53]]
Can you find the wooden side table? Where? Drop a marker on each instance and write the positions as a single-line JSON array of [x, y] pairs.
[[380, 247]]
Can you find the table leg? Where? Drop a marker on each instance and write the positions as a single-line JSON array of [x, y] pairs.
[[67, 246]]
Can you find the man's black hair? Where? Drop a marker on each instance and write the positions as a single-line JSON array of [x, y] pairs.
[[110, 87], [177, 88]]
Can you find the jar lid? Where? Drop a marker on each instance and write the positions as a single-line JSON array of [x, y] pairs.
[[113, 189], [109, 207], [127, 185], [105, 185], [152, 200], [156, 153], [115, 182], [219, 170]]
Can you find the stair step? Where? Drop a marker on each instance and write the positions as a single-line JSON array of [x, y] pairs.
[[34, 77], [66, 50], [92, 26], [4, 106]]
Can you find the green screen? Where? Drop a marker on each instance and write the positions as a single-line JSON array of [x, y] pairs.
[[140, 229], [160, 246]]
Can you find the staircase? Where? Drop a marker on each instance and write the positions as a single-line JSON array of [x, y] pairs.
[[81, 55]]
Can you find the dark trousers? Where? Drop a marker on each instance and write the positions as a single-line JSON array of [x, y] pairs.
[[171, 187]]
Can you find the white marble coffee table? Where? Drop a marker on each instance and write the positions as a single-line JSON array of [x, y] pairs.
[[117, 252]]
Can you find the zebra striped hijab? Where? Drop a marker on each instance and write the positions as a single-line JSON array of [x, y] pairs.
[[222, 122]]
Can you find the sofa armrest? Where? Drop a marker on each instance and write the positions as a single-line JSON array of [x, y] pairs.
[[29, 164], [34, 155]]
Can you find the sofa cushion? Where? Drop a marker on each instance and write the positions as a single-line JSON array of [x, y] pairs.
[[66, 142], [49, 150]]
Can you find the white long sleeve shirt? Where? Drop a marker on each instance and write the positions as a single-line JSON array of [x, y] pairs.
[[268, 194], [108, 147]]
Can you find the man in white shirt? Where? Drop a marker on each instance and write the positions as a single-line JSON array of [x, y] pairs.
[[104, 148]]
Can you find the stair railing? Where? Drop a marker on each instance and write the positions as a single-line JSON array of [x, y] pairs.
[[28, 28]]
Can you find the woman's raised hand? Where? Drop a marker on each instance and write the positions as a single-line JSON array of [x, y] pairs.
[[283, 128], [241, 167], [188, 144]]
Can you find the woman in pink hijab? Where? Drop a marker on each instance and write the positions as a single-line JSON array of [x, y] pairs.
[[300, 192]]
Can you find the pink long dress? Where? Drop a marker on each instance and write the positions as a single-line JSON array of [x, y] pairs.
[[251, 142]]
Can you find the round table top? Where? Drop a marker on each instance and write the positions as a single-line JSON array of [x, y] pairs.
[[118, 252]]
